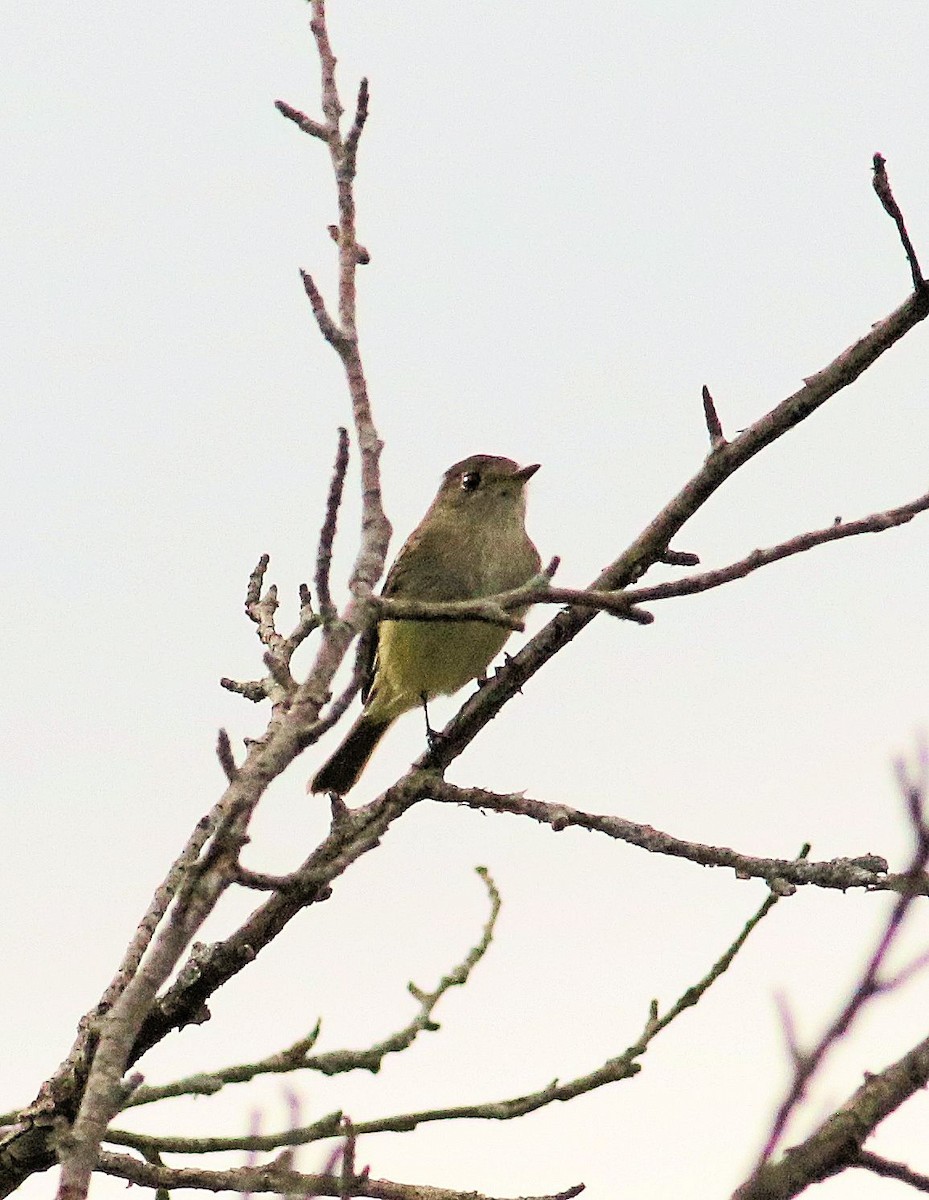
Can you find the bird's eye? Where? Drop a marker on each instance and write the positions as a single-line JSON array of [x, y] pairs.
[[470, 481]]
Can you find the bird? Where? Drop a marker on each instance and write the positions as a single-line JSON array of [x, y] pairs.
[[472, 542]]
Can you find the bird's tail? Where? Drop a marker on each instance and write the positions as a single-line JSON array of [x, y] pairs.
[[340, 773]]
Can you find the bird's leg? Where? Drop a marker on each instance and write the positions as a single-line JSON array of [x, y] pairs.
[[433, 736]]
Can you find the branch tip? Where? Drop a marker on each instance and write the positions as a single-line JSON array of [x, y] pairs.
[[354, 134], [881, 185], [679, 558], [713, 426], [327, 326], [255, 580], [302, 121], [327, 533], [224, 753]]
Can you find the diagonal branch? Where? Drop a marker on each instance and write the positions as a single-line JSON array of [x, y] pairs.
[[892, 1170], [868, 871], [653, 542], [354, 834], [496, 610], [327, 534], [875, 523], [302, 121], [106, 1091], [623, 1066], [713, 425], [885, 195], [839, 1140], [208, 1083], [836, 1144], [298, 1057]]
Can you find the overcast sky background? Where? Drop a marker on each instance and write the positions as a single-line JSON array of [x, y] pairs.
[[577, 216]]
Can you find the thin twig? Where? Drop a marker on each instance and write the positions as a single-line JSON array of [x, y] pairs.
[[689, 585], [255, 690], [341, 703], [307, 621], [891, 1170], [225, 755], [836, 1144], [869, 984], [713, 426], [327, 533], [259, 881], [332, 108], [208, 1083], [886, 197], [327, 326], [679, 558], [347, 1179], [354, 134], [253, 591], [623, 1066], [302, 121], [624, 604], [693, 994], [279, 684], [342, 334], [335, 1062]]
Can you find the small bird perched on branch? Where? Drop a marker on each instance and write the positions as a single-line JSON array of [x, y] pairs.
[[471, 543]]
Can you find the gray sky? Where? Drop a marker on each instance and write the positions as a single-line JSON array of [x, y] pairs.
[[577, 216]]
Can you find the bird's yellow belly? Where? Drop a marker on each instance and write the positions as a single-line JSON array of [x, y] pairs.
[[431, 658]]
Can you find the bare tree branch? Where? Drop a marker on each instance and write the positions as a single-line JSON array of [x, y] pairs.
[[841, 1137], [293, 726], [105, 1090], [495, 610], [208, 1083], [225, 755], [868, 871], [713, 426], [279, 685], [624, 1066], [836, 1144], [131, 1016], [286, 1182], [679, 558], [891, 1170], [327, 326], [334, 1062], [354, 134], [302, 121], [327, 534], [343, 336], [875, 523], [653, 542], [886, 197], [913, 884]]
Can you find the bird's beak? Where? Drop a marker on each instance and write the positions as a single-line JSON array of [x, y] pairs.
[[525, 473]]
